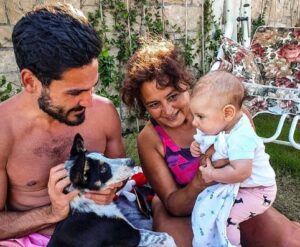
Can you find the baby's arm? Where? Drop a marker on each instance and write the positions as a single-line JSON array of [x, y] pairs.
[[195, 149], [196, 152], [220, 163], [236, 171], [217, 163]]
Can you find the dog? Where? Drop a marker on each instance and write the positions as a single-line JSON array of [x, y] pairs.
[[89, 224]]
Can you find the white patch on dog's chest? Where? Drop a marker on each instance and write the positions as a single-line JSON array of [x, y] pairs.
[[84, 205]]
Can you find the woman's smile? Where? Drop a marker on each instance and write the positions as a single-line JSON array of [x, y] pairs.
[[173, 116]]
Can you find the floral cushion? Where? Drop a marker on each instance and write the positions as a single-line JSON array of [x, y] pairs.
[[277, 53], [242, 60], [278, 100], [270, 71]]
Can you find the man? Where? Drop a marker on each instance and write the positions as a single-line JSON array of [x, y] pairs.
[[56, 50]]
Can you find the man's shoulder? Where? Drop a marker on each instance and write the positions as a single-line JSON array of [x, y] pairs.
[[9, 104], [100, 99], [101, 103], [102, 112], [9, 109]]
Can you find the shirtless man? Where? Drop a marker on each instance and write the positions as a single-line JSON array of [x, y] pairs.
[[56, 50]]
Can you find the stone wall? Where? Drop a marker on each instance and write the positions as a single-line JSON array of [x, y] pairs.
[[174, 11], [278, 13], [12, 10]]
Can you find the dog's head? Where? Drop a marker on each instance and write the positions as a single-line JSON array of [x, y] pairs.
[[94, 171]]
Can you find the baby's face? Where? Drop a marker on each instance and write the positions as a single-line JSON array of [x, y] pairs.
[[208, 116]]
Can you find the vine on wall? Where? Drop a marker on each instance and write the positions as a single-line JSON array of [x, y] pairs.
[[7, 89], [120, 27], [211, 34], [260, 21]]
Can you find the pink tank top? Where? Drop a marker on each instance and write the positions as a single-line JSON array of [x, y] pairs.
[[179, 160]]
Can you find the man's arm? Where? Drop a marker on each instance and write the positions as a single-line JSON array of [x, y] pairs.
[[114, 146], [16, 224]]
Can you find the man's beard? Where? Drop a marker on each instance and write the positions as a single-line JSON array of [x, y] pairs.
[[58, 112]]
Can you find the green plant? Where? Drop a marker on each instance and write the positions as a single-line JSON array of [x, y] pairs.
[[115, 98], [260, 21], [211, 35], [131, 147], [153, 21], [6, 88], [121, 34]]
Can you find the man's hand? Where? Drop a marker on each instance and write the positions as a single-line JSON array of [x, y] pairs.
[[195, 149], [104, 196], [60, 202], [207, 171]]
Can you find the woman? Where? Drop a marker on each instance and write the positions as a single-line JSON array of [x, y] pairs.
[[158, 84]]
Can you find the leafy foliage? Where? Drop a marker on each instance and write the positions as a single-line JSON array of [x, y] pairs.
[[120, 27], [212, 35], [260, 21], [6, 88]]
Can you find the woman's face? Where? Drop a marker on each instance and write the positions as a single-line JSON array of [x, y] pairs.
[[167, 106]]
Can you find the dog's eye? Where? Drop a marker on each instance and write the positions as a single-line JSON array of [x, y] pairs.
[[103, 169]]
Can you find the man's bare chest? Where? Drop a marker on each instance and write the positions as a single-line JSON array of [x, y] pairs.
[[32, 157]]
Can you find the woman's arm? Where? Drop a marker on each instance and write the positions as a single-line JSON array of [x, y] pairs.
[[178, 201]]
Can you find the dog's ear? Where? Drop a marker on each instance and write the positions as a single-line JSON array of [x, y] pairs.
[[78, 145]]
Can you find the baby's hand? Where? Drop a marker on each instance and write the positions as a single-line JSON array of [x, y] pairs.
[[207, 171], [195, 149]]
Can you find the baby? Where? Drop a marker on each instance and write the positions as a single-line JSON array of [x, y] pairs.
[[216, 105]]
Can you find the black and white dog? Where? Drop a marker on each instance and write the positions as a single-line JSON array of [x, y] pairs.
[[93, 225], [90, 224]]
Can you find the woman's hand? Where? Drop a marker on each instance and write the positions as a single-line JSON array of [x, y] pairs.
[[104, 196], [198, 181], [60, 202], [195, 149]]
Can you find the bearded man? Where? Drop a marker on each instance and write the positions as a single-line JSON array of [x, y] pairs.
[[56, 50]]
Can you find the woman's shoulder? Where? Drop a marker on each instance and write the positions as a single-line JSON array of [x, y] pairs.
[[148, 136], [147, 132]]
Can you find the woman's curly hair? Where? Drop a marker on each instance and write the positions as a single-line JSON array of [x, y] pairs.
[[156, 60]]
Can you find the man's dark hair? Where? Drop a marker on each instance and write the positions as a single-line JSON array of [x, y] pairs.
[[52, 39]]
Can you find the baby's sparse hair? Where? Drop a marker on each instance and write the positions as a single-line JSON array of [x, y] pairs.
[[222, 87]]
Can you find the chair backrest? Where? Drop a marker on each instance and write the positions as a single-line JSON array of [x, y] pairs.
[[277, 55]]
